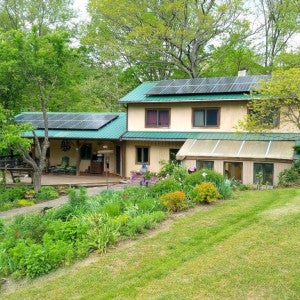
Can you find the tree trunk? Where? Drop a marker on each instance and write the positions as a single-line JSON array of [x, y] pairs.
[[37, 179]]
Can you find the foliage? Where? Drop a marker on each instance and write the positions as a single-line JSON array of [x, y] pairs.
[[47, 193], [206, 192], [174, 201], [164, 186], [77, 197], [206, 175], [276, 97], [290, 176], [159, 39]]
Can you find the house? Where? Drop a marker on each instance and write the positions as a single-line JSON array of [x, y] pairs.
[[193, 121], [190, 120], [81, 142]]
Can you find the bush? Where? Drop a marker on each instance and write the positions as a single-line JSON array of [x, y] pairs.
[[206, 192], [47, 193], [164, 186], [174, 201], [206, 175], [291, 176]]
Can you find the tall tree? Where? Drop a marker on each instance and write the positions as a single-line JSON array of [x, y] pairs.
[[41, 61], [45, 15], [279, 21], [164, 37]]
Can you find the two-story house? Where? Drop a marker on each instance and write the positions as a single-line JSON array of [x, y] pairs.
[[193, 120]]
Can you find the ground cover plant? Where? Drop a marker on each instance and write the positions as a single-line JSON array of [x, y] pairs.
[[22, 195], [35, 244], [243, 248]]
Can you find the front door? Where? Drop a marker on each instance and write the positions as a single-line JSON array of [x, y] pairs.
[[233, 170]]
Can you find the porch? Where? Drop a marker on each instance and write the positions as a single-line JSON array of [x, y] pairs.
[[70, 180]]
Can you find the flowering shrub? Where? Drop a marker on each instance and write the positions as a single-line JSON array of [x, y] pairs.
[[174, 201], [206, 192]]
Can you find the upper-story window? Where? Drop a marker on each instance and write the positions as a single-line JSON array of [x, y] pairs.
[[157, 117], [206, 117]]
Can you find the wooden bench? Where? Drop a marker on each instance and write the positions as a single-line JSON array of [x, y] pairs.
[[18, 172]]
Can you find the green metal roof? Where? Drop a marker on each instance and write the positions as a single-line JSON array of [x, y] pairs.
[[111, 131], [138, 95], [179, 136]]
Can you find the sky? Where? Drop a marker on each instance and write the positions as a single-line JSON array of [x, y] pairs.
[[80, 5]]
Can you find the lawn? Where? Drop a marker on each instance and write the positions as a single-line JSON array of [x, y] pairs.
[[244, 248]]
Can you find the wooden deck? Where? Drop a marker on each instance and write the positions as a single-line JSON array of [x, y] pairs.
[[71, 180]]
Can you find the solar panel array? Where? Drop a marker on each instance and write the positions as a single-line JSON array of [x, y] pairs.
[[72, 121], [210, 85]]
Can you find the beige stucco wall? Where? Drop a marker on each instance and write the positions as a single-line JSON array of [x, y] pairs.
[[181, 115], [159, 151], [247, 169]]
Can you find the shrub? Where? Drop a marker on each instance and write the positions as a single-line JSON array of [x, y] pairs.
[[164, 186], [206, 192], [205, 175], [174, 201], [291, 176], [77, 197], [47, 193]]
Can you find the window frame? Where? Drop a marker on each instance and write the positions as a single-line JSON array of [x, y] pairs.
[[157, 110], [143, 161], [205, 163], [263, 164], [205, 109]]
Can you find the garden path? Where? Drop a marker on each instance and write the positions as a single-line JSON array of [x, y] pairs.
[[56, 202]]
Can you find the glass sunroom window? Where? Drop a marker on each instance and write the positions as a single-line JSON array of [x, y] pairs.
[[157, 118], [206, 117], [265, 170]]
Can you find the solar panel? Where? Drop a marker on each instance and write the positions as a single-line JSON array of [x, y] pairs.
[[209, 85], [75, 121]]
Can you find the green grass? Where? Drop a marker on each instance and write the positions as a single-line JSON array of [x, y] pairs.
[[245, 248]]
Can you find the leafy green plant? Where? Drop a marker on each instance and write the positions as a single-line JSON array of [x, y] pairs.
[[174, 201], [164, 186], [47, 193], [206, 192], [77, 197]]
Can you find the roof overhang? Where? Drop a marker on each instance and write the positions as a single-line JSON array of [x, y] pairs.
[[237, 149]]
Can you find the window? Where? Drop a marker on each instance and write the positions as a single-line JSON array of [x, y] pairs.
[[265, 171], [86, 151], [172, 154], [206, 117], [157, 117], [142, 155], [204, 164], [233, 170]]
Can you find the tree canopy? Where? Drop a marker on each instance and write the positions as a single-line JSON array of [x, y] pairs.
[[277, 100]]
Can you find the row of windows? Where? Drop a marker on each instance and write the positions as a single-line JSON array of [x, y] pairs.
[[202, 117], [261, 171], [232, 170]]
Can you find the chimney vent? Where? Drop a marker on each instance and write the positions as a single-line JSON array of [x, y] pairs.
[[242, 72]]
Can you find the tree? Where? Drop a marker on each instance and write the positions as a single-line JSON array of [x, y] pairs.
[[279, 20], [277, 97], [164, 37], [43, 60], [45, 15]]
